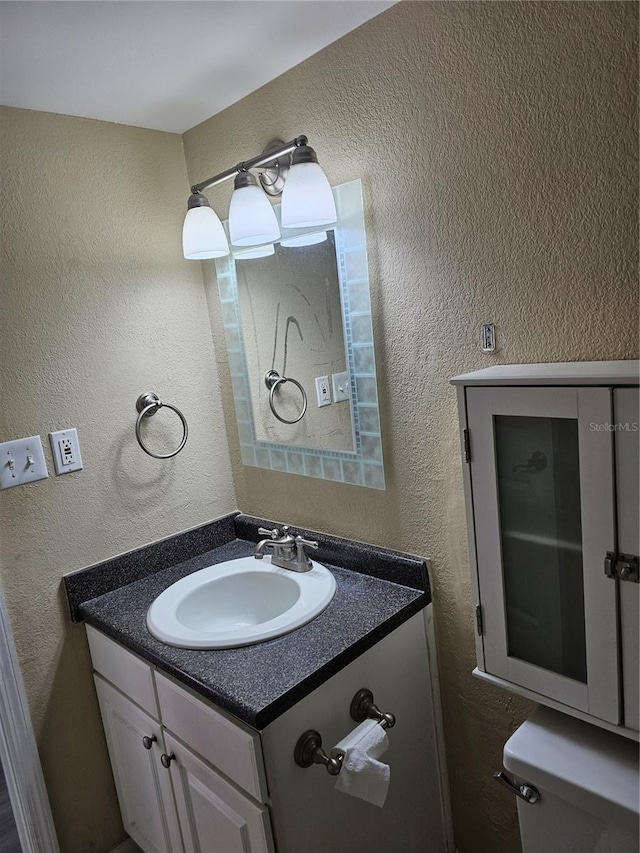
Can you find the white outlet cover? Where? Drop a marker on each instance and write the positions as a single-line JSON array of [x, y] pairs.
[[341, 387], [323, 391], [66, 450], [15, 467]]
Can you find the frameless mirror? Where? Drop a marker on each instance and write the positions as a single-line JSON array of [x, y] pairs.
[[297, 318]]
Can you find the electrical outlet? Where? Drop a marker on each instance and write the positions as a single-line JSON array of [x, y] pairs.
[[66, 450], [341, 387], [488, 337], [322, 391]]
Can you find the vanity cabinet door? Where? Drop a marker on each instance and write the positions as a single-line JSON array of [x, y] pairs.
[[142, 783], [544, 519], [627, 440], [214, 816]]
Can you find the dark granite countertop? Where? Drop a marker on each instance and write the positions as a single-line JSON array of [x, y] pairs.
[[258, 683]]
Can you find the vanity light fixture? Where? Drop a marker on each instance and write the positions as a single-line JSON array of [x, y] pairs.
[[254, 252], [307, 199], [202, 233], [252, 220], [289, 169], [304, 239]]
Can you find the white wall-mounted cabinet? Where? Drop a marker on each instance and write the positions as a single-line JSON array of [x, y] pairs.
[[626, 402], [208, 783], [551, 480]]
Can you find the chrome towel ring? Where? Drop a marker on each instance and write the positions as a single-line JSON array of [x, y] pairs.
[[273, 380], [147, 405]]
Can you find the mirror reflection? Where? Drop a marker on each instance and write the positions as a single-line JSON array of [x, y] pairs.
[[298, 330], [292, 324]]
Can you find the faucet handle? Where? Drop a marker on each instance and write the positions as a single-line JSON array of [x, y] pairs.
[[303, 561], [273, 534]]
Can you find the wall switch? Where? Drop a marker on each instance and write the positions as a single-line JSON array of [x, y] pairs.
[[322, 391], [341, 387], [66, 450], [22, 461]]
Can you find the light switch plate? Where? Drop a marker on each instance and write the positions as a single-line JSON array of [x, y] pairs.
[[66, 450], [22, 461], [341, 389]]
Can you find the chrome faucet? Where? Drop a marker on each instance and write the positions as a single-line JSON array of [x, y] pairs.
[[288, 550]]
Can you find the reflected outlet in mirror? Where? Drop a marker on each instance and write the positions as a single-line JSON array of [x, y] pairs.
[[305, 312]]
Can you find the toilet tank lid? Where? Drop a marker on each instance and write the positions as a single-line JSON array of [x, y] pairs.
[[593, 769]]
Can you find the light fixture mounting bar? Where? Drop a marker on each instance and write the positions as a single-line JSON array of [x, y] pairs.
[[253, 163]]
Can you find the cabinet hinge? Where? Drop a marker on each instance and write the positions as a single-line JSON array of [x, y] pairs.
[[624, 567], [479, 619], [467, 445]]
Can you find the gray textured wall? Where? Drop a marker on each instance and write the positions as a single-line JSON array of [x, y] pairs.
[[497, 147]]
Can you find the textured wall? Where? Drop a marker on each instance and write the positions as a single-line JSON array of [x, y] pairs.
[[496, 143], [97, 305]]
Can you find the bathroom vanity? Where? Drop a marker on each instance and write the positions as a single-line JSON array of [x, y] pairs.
[[551, 479], [202, 743]]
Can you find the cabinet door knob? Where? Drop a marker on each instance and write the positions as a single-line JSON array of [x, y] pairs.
[[148, 742], [167, 759]]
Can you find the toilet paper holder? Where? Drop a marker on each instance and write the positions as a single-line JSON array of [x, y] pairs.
[[308, 749], [364, 708]]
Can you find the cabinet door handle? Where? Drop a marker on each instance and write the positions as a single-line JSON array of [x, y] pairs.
[[148, 742], [167, 759]]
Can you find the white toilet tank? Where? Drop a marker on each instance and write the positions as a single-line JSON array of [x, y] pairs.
[[588, 783]]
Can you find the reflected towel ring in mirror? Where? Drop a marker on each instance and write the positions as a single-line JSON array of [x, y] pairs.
[[147, 405], [273, 380]]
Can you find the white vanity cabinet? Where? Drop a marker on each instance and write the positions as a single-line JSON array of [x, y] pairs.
[[142, 783], [551, 480], [211, 784], [214, 817], [171, 799]]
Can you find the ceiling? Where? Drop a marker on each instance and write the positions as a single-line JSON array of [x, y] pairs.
[[166, 65]]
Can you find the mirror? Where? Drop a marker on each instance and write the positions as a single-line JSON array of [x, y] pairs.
[[304, 311], [292, 324]]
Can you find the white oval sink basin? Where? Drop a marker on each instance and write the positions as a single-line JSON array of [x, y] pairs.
[[238, 603]]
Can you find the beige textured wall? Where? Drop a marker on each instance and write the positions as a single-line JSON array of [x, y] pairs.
[[96, 306], [496, 143]]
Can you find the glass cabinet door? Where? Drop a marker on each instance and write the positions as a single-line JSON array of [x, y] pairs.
[[542, 485]]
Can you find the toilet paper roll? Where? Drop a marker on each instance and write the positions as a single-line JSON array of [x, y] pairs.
[[362, 775]]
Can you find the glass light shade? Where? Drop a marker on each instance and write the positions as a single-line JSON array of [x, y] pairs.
[[203, 235], [307, 199], [304, 239], [254, 252], [252, 220]]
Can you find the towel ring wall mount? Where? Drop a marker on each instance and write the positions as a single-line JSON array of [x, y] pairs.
[[147, 405], [273, 380]]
